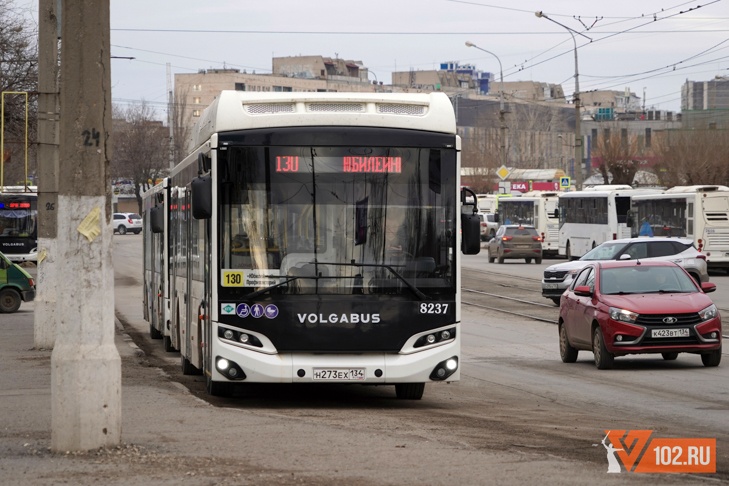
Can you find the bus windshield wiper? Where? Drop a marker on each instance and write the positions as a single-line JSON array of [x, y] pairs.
[[264, 290], [397, 274]]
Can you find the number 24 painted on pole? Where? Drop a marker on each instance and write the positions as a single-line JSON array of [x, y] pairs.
[[91, 137]]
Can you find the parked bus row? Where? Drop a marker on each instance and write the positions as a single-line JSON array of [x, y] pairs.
[[313, 238], [572, 223]]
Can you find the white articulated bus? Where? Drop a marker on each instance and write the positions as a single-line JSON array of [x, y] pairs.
[[536, 208], [156, 296], [592, 216], [316, 238], [700, 212]]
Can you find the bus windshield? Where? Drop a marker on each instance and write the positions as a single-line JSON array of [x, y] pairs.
[[659, 217], [338, 220], [514, 211]]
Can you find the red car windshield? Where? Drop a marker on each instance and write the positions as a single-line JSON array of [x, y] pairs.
[[645, 280]]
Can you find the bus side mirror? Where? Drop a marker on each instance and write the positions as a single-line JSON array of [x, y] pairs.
[[629, 219], [471, 234], [157, 219], [556, 212], [203, 163], [496, 217], [202, 197]]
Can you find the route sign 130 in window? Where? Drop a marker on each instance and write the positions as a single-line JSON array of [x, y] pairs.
[[349, 163]]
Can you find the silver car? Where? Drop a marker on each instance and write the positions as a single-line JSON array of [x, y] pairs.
[[678, 250]]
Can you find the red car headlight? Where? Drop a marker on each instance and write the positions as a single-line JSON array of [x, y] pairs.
[[623, 315], [708, 313]]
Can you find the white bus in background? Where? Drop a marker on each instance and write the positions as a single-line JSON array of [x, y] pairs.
[[592, 216], [700, 212], [489, 203], [536, 208]]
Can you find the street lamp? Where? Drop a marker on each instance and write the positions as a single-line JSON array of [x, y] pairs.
[[501, 101], [578, 116]]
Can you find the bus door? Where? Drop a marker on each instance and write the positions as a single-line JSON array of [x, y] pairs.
[[622, 209], [715, 213]]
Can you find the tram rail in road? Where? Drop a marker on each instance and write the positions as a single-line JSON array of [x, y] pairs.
[[503, 310]]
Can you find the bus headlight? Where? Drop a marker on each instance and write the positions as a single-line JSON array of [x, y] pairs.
[[229, 369], [444, 369], [435, 338], [234, 336]]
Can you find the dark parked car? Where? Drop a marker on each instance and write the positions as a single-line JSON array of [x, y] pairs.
[[515, 241], [616, 308]]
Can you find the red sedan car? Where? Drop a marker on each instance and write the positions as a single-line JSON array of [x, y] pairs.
[[615, 308]]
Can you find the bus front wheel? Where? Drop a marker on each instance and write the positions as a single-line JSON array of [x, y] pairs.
[[218, 389], [187, 367], [167, 340], [154, 333], [409, 391]]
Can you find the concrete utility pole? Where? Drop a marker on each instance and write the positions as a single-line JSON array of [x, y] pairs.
[[49, 31], [85, 364]]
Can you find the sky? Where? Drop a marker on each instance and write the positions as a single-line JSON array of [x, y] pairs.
[[649, 47]]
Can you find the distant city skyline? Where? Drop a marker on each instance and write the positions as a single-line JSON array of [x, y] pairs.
[[651, 48]]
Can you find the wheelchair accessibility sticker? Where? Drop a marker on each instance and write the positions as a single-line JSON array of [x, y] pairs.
[[244, 310]]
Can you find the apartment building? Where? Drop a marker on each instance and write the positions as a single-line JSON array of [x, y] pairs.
[[705, 104], [195, 91]]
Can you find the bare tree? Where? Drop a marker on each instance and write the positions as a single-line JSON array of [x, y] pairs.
[[688, 157], [531, 129], [620, 154], [18, 74], [141, 147], [531, 139], [480, 153], [180, 125]]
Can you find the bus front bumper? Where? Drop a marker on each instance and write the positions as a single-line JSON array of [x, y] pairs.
[[364, 368]]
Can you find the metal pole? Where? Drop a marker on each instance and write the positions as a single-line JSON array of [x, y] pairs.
[[576, 99], [501, 102]]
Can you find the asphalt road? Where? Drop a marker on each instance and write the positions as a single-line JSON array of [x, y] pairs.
[[518, 416]]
